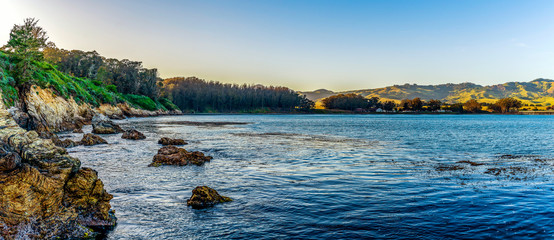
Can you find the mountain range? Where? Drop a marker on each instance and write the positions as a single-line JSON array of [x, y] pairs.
[[538, 91]]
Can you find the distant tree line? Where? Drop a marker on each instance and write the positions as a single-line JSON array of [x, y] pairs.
[[199, 95], [354, 101]]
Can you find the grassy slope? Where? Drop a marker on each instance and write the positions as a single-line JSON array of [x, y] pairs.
[[540, 91], [83, 90]]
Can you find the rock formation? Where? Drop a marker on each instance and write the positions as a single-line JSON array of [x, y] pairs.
[[203, 197], [66, 143], [90, 139], [171, 141], [171, 155], [133, 135], [45, 194], [103, 125]]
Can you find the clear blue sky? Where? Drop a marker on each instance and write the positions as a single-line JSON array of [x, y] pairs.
[[306, 45]]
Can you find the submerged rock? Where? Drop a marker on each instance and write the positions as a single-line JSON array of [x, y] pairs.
[[203, 197], [133, 134], [90, 139], [103, 125], [171, 155], [44, 192], [171, 141]]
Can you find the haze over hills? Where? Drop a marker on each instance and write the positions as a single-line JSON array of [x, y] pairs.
[[538, 91]]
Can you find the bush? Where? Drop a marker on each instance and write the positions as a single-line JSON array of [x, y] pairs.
[[111, 88], [168, 104], [140, 101]]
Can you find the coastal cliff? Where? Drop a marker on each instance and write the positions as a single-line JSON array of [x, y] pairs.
[[45, 111], [44, 192]]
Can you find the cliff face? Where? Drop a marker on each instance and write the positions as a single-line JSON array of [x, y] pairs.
[[48, 112], [44, 192], [54, 112]]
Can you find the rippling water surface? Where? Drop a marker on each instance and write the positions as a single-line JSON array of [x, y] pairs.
[[336, 176]]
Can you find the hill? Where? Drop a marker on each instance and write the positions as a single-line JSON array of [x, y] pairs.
[[538, 91]]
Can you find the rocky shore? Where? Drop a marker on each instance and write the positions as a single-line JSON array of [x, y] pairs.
[[45, 193]]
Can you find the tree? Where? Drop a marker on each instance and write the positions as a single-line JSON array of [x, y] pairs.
[[434, 105], [456, 107], [417, 104], [26, 44], [388, 105], [472, 106], [505, 105], [406, 104], [349, 101]]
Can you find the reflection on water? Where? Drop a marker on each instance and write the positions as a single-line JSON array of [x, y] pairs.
[[317, 176]]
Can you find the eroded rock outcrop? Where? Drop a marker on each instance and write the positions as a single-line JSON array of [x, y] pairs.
[[103, 125], [203, 197], [54, 113], [133, 135], [45, 194], [171, 141], [90, 139], [171, 155]]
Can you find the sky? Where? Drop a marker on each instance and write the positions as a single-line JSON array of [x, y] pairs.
[[308, 44]]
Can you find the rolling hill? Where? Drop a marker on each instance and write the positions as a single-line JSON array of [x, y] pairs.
[[538, 91]]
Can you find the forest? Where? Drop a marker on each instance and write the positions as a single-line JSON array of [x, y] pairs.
[[198, 95]]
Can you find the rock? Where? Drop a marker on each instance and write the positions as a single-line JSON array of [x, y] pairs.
[[66, 143], [78, 130], [133, 134], [90, 139], [86, 192], [20, 117], [171, 141], [54, 112], [45, 194], [171, 155], [103, 125], [9, 159], [203, 197]]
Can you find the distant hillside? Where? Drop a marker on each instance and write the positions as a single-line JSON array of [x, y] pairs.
[[318, 94], [539, 91]]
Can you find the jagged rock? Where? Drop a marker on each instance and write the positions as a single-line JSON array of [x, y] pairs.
[[133, 134], [86, 192], [90, 139], [38, 195], [171, 141], [103, 125], [78, 130], [9, 159], [56, 113], [203, 197], [171, 155]]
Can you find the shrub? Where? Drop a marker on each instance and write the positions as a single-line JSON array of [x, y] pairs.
[[140, 101]]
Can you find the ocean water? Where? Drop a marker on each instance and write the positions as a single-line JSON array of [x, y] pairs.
[[335, 177]]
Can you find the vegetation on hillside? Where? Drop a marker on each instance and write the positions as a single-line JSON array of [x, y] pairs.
[[537, 93], [355, 102], [23, 64]]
